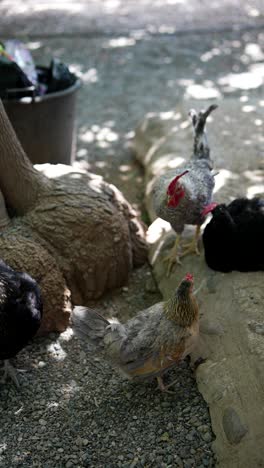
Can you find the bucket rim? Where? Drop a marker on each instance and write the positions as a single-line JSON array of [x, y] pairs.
[[46, 97]]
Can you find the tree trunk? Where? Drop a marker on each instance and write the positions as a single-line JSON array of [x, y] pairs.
[[74, 231], [20, 183], [4, 218]]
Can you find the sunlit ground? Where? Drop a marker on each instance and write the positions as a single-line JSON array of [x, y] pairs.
[[126, 77], [113, 16]]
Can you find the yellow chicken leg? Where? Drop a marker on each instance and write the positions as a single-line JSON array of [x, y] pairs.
[[192, 247], [173, 256]]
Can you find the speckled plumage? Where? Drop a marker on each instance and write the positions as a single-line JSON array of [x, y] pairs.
[[151, 342], [198, 187], [198, 183]]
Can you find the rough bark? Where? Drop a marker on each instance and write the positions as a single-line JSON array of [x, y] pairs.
[[23, 251], [4, 218], [20, 183], [87, 224], [75, 232], [231, 305]]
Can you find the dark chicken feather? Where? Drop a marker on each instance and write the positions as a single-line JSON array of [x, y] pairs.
[[20, 310], [233, 239]]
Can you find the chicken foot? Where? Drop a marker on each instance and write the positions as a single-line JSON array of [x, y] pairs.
[[173, 256], [165, 388], [176, 252], [9, 371], [192, 247]]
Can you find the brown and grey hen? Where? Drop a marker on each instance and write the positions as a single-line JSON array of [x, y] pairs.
[[149, 343]]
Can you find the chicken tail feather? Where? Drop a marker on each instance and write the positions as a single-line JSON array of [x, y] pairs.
[[201, 148], [89, 325]]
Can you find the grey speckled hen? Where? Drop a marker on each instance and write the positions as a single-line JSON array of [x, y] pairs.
[[180, 195]]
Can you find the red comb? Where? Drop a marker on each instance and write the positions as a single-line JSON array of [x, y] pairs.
[[171, 186], [189, 277]]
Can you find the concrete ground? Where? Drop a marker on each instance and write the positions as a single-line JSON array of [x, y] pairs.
[[141, 56], [114, 17]]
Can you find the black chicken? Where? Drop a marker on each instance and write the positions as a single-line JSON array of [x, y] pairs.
[[20, 315], [233, 239]]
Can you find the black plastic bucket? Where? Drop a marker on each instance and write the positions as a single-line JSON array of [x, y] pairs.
[[45, 125]]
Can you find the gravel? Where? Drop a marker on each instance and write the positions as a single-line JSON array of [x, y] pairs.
[[77, 412], [72, 409]]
